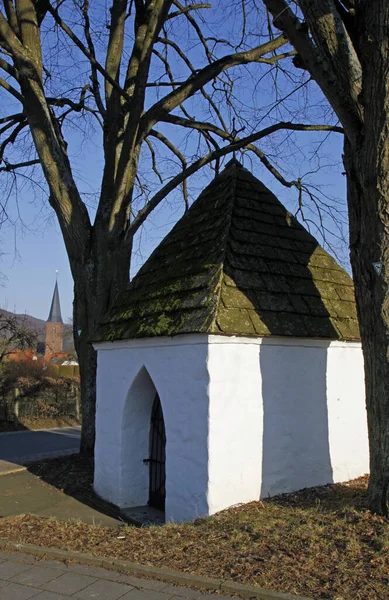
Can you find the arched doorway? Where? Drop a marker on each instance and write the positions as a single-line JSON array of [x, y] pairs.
[[138, 455], [157, 459]]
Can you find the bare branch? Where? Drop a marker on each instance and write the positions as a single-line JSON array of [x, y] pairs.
[[333, 42], [196, 82], [8, 68], [86, 52], [162, 138], [15, 334], [11, 139], [169, 74], [296, 32], [11, 16], [15, 118], [115, 44], [147, 27], [4, 84], [11, 42], [205, 160], [277, 57], [165, 84], [197, 29], [11, 122], [30, 32], [186, 60], [186, 9], [75, 106], [154, 160], [22, 165], [94, 76]]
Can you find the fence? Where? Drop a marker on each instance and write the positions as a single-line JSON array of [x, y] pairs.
[[47, 399]]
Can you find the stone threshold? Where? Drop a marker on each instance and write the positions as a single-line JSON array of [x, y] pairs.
[[148, 572], [143, 516]]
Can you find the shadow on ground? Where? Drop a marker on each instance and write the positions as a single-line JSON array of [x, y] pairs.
[[14, 425], [73, 476], [328, 498]]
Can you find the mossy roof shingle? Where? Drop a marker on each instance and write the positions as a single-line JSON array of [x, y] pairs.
[[237, 263]]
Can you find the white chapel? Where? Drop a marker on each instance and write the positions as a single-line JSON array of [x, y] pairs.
[[231, 369]]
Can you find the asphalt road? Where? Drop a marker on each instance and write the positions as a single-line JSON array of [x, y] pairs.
[[22, 447]]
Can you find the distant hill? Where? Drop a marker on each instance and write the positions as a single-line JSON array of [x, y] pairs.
[[39, 326]]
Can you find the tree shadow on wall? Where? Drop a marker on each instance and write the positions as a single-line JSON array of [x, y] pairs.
[[295, 449], [268, 260]]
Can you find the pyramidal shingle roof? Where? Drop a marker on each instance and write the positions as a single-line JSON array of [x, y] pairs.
[[55, 309], [237, 263]]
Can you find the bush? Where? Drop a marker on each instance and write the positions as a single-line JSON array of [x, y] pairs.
[[29, 391]]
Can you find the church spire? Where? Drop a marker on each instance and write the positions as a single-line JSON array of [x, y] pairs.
[[55, 310]]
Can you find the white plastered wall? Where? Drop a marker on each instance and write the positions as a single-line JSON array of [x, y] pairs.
[[128, 376], [346, 412], [235, 422], [245, 418], [284, 414]]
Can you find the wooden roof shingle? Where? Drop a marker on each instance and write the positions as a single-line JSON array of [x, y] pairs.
[[237, 263]]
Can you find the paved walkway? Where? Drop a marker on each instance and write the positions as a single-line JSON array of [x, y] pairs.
[[24, 492], [21, 447], [23, 577]]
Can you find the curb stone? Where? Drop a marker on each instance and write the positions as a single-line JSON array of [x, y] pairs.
[[9, 468], [130, 568], [20, 463], [230, 587]]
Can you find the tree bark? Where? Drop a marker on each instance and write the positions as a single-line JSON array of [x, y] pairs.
[[369, 243], [347, 53], [97, 282]]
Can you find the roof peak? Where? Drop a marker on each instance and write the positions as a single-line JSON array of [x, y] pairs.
[[237, 263], [55, 309], [234, 162]]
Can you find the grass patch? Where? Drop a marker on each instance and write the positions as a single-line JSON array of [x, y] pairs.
[[321, 542]]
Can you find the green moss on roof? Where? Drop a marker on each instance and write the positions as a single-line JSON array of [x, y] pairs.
[[237, 263]]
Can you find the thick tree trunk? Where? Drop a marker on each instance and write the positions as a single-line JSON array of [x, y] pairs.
[[97, 283], [368, 195], [345, 47], [87, 358]]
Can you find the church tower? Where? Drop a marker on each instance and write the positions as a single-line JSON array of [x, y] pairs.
[[54, 327]]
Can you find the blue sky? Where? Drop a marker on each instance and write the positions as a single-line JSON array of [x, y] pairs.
[[32, 247], [31, 274]]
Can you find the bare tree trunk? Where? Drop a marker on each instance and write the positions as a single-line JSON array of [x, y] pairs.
[[345, 47], [87, 358], [369, 243], [97, 284]]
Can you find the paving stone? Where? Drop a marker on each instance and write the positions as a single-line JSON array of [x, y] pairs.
[[50, 596], [14, 591], [9, 569], [52, 564], [36, 576], [103, 590], [94, 572], [183, 591], [217, 597], [68, 583], [139, 582], [137, 594], [17, 557]]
